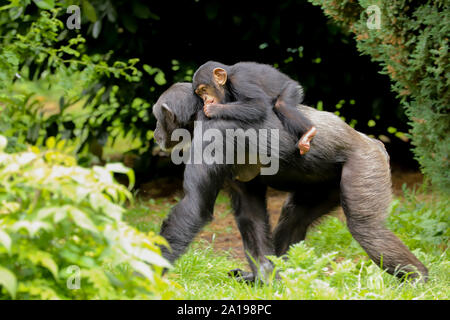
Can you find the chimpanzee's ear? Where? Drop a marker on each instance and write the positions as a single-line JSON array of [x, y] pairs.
[[220, 76], [167, 112]]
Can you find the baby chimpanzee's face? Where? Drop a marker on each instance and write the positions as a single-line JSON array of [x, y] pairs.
[[208, 94]]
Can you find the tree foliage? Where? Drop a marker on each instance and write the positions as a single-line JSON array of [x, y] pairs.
[[412, 47], [36, 47]]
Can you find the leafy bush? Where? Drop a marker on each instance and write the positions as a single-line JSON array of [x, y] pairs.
[[39, 47], [62, 234], [412, 47], [419, 223]]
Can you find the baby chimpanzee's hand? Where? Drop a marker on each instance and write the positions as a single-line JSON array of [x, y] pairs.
[[210, 110]]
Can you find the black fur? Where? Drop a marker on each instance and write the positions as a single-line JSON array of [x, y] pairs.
[[170, 112], [253, 89]]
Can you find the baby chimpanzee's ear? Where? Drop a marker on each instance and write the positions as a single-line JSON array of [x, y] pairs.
[[220, 76]]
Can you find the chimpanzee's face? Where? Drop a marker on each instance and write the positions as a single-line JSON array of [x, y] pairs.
[[210, 87], [176, 108], [209, 94]]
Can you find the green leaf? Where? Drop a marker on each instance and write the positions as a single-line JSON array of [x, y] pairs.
[[50, 264], [44, 259], [111, 14], [45, 212], [50, 143], [129, 23], [102, 174], [59, 215], [61, 104], [3, 143], [120, 168], [149, 69], [142, 268], [141, 11], [60, 145], [160, 79], [154, 16], [5, 240], [45, 4], [290, 59], [33, 132], [89, 11], [82, 220], [11, 57], [9, 281], [31, 226], [320, 105], [96, 29], [391, 130], [152, 258], [70, 51], [15, 12]]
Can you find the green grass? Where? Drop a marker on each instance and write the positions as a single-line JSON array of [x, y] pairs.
[[328, 265]]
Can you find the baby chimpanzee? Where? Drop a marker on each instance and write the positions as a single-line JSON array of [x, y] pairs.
[[247, 91]]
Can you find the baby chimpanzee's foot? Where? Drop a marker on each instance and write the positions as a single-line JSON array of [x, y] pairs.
[[304, 147], [304, 143]]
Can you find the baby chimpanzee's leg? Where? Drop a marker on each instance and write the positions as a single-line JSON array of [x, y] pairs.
[[292, 118]]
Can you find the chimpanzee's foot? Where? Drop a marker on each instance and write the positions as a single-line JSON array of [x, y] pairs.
[[249, 277], [242, 276], [303, 147], [304, 143]]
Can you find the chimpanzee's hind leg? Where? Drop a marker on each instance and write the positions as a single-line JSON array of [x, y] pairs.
[[365, 196], [299, 211]]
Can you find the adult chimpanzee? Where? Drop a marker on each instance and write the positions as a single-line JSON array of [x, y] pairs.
[[246, 91], [345, 167]]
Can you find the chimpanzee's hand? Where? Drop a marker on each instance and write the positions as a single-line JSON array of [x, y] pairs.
[[211, 110]]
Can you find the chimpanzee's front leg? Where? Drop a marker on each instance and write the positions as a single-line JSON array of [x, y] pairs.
[[188, 217], [202, 183], [249, 204]]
